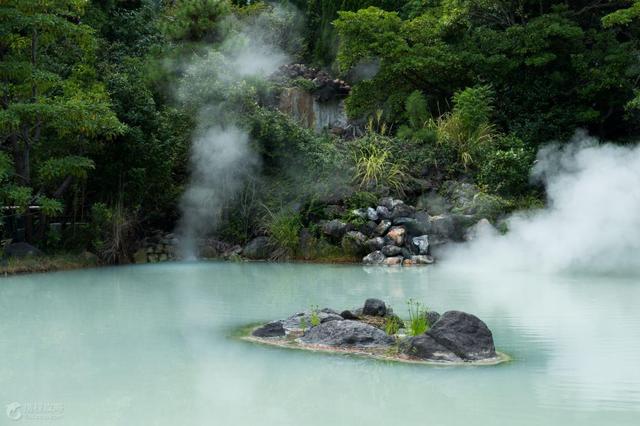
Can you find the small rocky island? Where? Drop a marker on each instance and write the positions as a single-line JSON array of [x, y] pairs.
[[374, 330]]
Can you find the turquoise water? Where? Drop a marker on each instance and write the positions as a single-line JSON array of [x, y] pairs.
[[151, 345]]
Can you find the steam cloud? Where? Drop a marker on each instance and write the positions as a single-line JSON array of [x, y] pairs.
[[592, 222], [221, 158]]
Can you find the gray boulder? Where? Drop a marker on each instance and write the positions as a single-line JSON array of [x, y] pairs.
[[372, 214], [414, 226], [382, 227], [443, 226], [334, 228], [353, 242], [465, 335], [374, 258], [427, 348], [295, 322], [422, 259], [383, 212], [374, 244], [258, 248], [272, 329], [432, 317], [388, 202], [421, 244], [349, 314], [21, 250], [391, 250], [374, 307], [393, 261], [396, 235], [402, 210], [347, 333]]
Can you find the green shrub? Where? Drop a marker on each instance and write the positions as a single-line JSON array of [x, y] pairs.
[[315, 317], [473, 106], [361, 199], [505, 170], [417, 114], [467, 128]]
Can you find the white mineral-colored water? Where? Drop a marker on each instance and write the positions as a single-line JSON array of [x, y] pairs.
[[151, 345]]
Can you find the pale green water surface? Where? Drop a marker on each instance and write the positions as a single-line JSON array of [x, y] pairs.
[[151, 345]]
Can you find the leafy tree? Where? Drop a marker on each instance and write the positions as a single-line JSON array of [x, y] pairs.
[[53, 109], [552, 65]]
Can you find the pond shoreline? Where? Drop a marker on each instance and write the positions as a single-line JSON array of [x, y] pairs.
[[69, 262], [48, 263], [362, 353]]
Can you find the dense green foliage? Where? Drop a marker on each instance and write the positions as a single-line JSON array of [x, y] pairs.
[[99, 108]]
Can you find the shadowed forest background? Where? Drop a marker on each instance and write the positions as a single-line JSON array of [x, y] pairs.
[[103, 100]]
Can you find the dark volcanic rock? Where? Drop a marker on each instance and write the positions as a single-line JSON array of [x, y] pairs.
[[347, 333], [272, 329], [465, 335], [382, 227], [422, 259], [349, 315], [335, 228], [391, 250], [443, 226], [21, 250], [425, 347], [396, 235], [383, 212], [432, 317], [414, 227], [374, 244], [374, 307], [374, 258], [258, 248], [297, 321], [403, 210], [420, 244], [353, 243], [372, 214]]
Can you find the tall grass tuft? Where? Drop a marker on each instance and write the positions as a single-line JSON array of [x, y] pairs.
[[284, 229], [374, 166], [417, 323]]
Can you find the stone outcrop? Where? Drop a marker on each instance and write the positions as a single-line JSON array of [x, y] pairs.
[[465, 335], [272, 329], [258, 248], [313, 98], [20, 250], [453, 337], [347, 333]]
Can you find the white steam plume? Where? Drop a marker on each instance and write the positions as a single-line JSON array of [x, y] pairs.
[[592, 222], [221, 157]]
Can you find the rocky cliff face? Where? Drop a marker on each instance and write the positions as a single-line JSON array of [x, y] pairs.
[[313, 98]]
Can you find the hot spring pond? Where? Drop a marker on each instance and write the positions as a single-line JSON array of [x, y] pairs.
[[155, 345]]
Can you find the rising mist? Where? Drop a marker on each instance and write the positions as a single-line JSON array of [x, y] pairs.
[[221, 158], [591, 222]]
